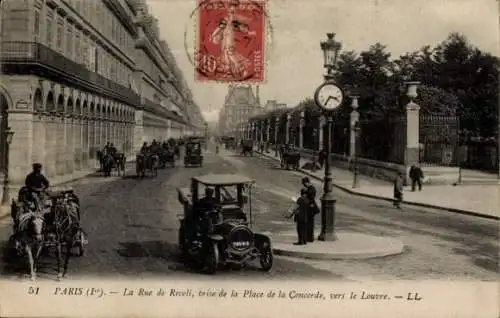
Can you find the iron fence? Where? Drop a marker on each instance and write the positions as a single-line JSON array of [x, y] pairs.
[[383, 139], [439, 140]]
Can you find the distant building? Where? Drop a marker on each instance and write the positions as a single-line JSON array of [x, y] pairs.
[[272, 104], [240, 104]]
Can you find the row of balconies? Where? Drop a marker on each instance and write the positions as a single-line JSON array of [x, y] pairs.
[[31, 57]]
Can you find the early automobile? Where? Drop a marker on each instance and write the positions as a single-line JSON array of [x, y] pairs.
[[221, 235], [193, 155]]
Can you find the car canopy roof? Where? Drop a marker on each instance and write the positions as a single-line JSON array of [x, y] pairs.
[[223, 179]]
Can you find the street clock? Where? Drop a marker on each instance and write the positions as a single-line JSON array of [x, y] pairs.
[[328, 96]]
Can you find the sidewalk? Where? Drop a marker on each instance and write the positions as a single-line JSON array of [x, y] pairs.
[[479, 200]]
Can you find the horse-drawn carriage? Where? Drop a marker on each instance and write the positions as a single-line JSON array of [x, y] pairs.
[[290, 158], [147, 162], [110, 160], [247, 147], [193, 155], [167, 157], [229, 142], [222, 235], [43, 221]]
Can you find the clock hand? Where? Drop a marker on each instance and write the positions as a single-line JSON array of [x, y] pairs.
[[328, 99]]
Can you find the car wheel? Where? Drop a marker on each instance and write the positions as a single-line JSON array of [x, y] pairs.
[[212, 258], [266, 258]]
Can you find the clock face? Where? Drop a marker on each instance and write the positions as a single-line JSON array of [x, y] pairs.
[[329, 96]]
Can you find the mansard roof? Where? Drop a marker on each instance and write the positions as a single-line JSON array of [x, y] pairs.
[[241, 95]]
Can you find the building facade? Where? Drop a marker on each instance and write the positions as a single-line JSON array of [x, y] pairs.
[[273, 105], [79, 73], [239, 106]]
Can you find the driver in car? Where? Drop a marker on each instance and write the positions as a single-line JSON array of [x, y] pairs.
[[206, 204]]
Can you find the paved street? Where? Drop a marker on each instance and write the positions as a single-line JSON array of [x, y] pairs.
[[132, 227]]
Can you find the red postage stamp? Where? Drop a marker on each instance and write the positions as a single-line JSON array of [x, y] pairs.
[[230, 40]]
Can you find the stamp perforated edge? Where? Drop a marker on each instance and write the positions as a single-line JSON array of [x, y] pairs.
[[266, 47]]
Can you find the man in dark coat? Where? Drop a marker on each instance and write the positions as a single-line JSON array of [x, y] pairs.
[[313, 207], [398, 190], [416, 176], [300, 214], [36, 181]]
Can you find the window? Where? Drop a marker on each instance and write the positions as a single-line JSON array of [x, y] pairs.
[[36, 24], [85, 52], [77, 47], [59, 36], [49, 31], [113, 35], [69, 41]]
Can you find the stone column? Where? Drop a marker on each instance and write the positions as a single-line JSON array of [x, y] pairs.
[[77, 137], [287, 127], [92, 141], [412, 126], [20, 151], [60, 145], [353, 121], [138, 130], [301, 130], [69, 150], [276, 131], [262, 130], [86, 138], [50, 146], [268, 130], [321, 132], [38, 153]]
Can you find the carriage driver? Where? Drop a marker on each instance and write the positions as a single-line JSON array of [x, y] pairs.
[[36, 181]]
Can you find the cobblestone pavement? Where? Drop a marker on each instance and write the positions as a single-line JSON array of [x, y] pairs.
[[132, 226]]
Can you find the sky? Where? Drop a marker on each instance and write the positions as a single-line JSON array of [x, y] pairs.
[[294, 61]]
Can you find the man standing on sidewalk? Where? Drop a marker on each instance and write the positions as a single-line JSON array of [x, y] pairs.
[[313, 207], [398, 190], [416, 176], [299, 214]]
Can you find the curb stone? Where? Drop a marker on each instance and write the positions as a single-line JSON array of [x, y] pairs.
[[372, 196]]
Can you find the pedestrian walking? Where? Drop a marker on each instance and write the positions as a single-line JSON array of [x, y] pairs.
[[398, 190], [313, 207], [416, 176], [299, 213]]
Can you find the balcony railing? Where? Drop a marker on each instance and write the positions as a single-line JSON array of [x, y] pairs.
[[36, 53], [159, 110]]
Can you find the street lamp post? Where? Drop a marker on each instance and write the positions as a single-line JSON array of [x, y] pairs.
[[356, 129], [328, 96], [9, 134], [276, 128], [206, 136]]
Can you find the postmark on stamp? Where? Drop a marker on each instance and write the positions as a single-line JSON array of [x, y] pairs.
[[230, 41]]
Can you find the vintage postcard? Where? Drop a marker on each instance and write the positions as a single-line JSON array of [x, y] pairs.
[[249, 158]]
